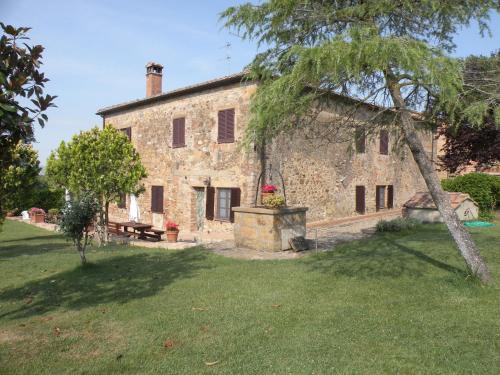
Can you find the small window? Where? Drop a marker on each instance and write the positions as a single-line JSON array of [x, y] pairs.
[[178, 132], [384, 142], [122, 201], [380, 198], [360, 140], [157, 199], [223, 204], [128, 132], [226, 126], [227, 198]]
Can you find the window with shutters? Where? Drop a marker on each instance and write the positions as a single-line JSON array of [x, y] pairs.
[[179, 132], [380, 198], [128, 132], [122, 201], [384, 142], [360, 199], [220, 202], [360, 140], [157, 199], [225, 128]]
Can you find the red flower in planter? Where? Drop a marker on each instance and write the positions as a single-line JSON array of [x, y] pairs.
[[269, 188], [170, 225], [36, 210]]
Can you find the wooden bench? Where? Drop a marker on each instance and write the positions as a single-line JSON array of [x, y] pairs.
[[115, 228], [153, 233]]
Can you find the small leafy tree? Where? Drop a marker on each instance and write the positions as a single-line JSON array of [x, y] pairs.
[[76, 220], [101, 161], [391, 53], [22, 99], [20, 178]]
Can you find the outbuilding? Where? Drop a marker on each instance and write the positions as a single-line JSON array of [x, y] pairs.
[[422, 208]]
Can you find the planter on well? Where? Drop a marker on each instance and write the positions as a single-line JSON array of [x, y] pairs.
[[266, 192]]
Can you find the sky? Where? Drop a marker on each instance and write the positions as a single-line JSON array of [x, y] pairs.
[[96, 52]]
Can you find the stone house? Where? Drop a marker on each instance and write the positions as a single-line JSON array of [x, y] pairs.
[[189, 140]]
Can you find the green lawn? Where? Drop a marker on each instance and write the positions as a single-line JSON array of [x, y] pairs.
[[396, 303]]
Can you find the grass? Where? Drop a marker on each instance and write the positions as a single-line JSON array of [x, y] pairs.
[[396, 303]]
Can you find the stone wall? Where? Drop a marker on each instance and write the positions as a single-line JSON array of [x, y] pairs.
[[322, 174], [319, 175], [181, 170]]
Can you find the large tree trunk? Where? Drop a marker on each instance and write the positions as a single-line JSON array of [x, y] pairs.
[[462, 238]]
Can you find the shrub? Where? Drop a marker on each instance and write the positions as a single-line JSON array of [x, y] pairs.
[[396, 225], [76, 220], [483, 188], [53, 215], [275, 201]]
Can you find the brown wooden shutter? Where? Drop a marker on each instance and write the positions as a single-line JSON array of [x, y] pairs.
[[178, 132], [122, 201], [235, 202], [210, 205], [390, 196], [384, 142], [128, 132], [360, 139], [360, 199], [377, 198], [157, 199], [225, 126]]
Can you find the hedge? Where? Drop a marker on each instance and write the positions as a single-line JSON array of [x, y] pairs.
[[483, 188]]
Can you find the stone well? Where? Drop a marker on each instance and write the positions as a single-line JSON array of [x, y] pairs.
[[266, 229]]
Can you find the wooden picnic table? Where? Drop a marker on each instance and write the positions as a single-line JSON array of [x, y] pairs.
[[136, 227], [141, 230]]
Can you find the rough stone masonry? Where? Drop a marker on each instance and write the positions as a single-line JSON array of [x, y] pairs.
[[330, 178]]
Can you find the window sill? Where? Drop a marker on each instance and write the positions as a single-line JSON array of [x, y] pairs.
[[222, 142], [222, 220], [178, 146]]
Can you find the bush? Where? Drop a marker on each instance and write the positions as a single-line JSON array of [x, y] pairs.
[[483, 188], [53, 215], [396, 225], [274, 201], [76, 220]]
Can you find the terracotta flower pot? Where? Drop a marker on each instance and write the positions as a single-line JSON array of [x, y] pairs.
[[172, 235], [38, 218], [263, 196]]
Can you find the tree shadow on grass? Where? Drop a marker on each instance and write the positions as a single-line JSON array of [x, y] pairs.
[[26, 248], [380, 257], [116, 279], [48, 237]]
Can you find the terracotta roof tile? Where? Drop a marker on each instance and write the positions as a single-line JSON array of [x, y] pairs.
[[424, 200]]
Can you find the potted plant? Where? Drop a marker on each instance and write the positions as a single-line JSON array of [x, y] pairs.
[[274, 201], [172, 231], [37, 215], [267, 191]]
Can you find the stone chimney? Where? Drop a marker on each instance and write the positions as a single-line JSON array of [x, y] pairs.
[[153, 79]]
